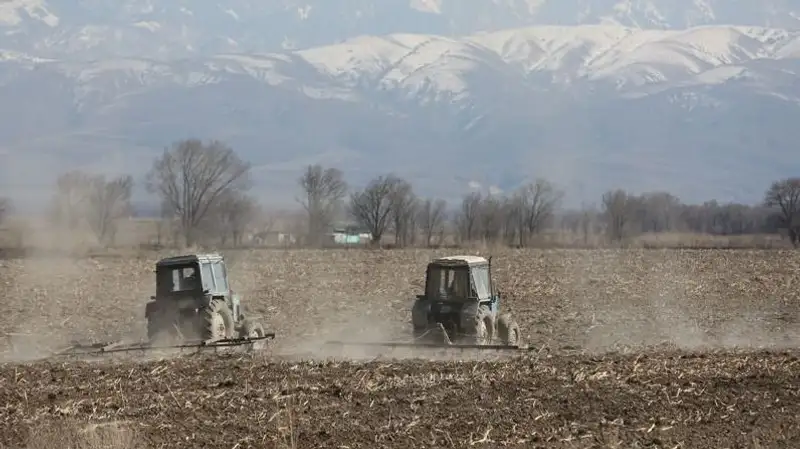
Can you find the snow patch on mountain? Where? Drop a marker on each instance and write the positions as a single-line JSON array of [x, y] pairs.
[[426, 68], [148, 25], [14, 12], [623, 56], [429, 6]]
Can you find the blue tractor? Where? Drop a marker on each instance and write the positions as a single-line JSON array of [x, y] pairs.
[[461, 306], [194, 307], [194, 301]]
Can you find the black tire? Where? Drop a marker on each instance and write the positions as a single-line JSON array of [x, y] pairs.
[[419, 314], [252, 329], [508, 331], [209, 316], [476, 324]]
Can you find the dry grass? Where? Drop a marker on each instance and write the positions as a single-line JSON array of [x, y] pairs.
[[138, 235], [634, 348], [72, 434]]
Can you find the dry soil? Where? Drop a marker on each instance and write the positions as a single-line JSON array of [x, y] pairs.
[[649, 348]]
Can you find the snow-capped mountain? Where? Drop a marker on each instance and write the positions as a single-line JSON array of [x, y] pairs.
[[704, 112], [92, 29], [699, 97]]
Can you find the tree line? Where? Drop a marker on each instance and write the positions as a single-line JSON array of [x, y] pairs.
[[204, 189], [388, 204]]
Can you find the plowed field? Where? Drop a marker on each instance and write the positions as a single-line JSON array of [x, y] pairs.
[[662, 349]]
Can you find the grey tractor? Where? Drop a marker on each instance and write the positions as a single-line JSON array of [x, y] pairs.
[[461, 305], [194, 301]]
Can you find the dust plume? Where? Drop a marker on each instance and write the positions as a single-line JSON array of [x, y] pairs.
[[676, 308], [44, 296], [57, 294]]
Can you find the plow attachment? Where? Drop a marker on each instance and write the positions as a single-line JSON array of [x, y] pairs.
[[424, 345], [435, 338], [99, 349]]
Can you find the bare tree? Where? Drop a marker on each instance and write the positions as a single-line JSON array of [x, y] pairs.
[[191, 177], [512, 217], [403, 203], [490, 218], [467, 218], [236, 211], [324, 190], [107, 202], [658, 212], [586, 222], [536, 203], [728, 219], [264, 223], [432, 217], [617, 208], [83, 199], [372, 207], [164, 223], [785, 195], [67, 208]]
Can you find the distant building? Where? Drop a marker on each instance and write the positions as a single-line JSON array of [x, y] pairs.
[[273, 238], [348, 234]]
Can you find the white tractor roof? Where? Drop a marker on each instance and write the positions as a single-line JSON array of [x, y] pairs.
[[468, 260]]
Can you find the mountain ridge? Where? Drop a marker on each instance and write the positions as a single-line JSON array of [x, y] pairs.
[[595, 53], [591, 106], [101, 28]]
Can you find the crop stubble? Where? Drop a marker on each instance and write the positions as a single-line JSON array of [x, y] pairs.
[[574, 307]]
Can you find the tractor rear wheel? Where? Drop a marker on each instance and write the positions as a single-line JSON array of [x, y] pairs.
[[476, 323], [217, 321], [508, 330]]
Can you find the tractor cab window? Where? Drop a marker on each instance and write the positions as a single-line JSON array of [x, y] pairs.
[[178, 279], [480, 281], [449, 283], [220, 276], [208, 277]]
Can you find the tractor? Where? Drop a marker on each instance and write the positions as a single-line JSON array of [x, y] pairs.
[[194, 308], [194, 301], [460, 305]]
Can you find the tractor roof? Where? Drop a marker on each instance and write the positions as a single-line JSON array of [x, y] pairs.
[[460, 260], [189, 258]]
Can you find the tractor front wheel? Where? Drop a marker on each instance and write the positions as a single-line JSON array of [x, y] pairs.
[[252, 330], [508, 330]]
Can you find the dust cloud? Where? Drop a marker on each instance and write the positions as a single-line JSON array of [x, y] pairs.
[[56, 296], [677, 309], [41, 294], [587, 301], [345, 335]]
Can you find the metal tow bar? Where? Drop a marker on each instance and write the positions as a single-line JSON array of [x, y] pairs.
[[107, 348], [432, 345]]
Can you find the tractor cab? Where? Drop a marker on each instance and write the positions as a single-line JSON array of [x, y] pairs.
[[195, 275], [460, 302], [459, 278], [188, 288]]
